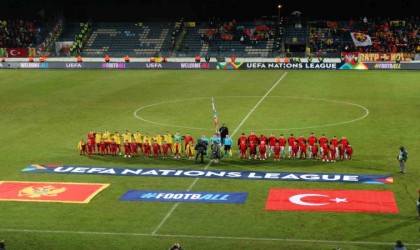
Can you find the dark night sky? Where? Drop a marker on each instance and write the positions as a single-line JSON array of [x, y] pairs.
[[172, 10]]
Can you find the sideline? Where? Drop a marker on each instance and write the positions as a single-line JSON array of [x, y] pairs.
[[206, 237]]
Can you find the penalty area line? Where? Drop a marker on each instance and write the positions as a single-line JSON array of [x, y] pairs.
[[204, 237]]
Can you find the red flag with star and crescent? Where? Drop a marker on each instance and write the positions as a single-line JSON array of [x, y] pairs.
[[358, 201]]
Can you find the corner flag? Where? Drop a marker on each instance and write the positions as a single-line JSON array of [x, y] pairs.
[[216, 124]]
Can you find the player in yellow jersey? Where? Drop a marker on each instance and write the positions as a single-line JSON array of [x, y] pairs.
[[82, 147], [117, 139], [107, 138], [167, 137], [158, 138], [98, 138], [127, 136], [147, 138], [139, 137]]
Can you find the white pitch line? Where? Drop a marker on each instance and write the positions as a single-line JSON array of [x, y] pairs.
[[207, 166], [204, 237], [256, 105]]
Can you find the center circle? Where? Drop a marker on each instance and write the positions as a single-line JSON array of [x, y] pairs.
[[290, 99]]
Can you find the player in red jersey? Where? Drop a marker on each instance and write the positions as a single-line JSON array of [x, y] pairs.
[[252, 137], [332, 153], [295, 149], [322, 141], [241, 139], [311, 141], [113, 147], [300, 140], [341, 151], [325, 150], [291, 141], [282, 144], [165, 149], [349, 152], [314, 151], [276, 150], [146, 148], [127, 152], [134, 148], [102, 147], [334, 142], [242, 149], [91, 137], [262, 138], [187, 139], [271, 143], [263, 150], [252, 150], [156, 149], [302, 150], [345, 143]]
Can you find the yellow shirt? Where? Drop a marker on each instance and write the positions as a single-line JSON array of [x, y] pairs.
[[190, 150], [177, 147], [82, 143], [138, 137], [117, 139], [168, 138], [127, 137], [148, 138], [98, 138], [158, 139], [106, 136]]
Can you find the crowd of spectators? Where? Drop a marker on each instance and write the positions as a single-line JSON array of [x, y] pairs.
[[17, 33], [232, 31], [387, 35]]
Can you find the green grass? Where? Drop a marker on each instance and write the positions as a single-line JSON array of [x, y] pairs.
[[45, 113]]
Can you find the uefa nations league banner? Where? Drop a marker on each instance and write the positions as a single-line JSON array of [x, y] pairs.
[[220, 174]]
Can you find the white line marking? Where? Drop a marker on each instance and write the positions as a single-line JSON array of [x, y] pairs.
[[264, 129], [176, 204], [207, 166], [258, 103], [203, 236]]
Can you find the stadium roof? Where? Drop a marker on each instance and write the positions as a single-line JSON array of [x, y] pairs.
[[170, 10]]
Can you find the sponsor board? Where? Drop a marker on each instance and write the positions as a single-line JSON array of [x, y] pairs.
[[358, 201], [222, 174], [49, 191], [184, 196], [353, 66], [261, 65]]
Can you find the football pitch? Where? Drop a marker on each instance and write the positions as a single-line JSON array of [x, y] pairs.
[[44, 114]]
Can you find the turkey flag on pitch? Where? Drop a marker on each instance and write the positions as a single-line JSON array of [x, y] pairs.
[[359, 201]]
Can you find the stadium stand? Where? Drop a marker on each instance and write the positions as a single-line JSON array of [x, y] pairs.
[[134, 39], [18, 33], [229, 39]]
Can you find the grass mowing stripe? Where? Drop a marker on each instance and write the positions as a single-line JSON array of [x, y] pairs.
[[207, 237], [207, 166]]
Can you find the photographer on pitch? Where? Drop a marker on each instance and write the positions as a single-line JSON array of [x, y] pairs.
[[402, 158], [200, 149]]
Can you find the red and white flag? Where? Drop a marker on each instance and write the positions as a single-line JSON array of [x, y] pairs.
[[17, 52], [361, 39], [358, 201]]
